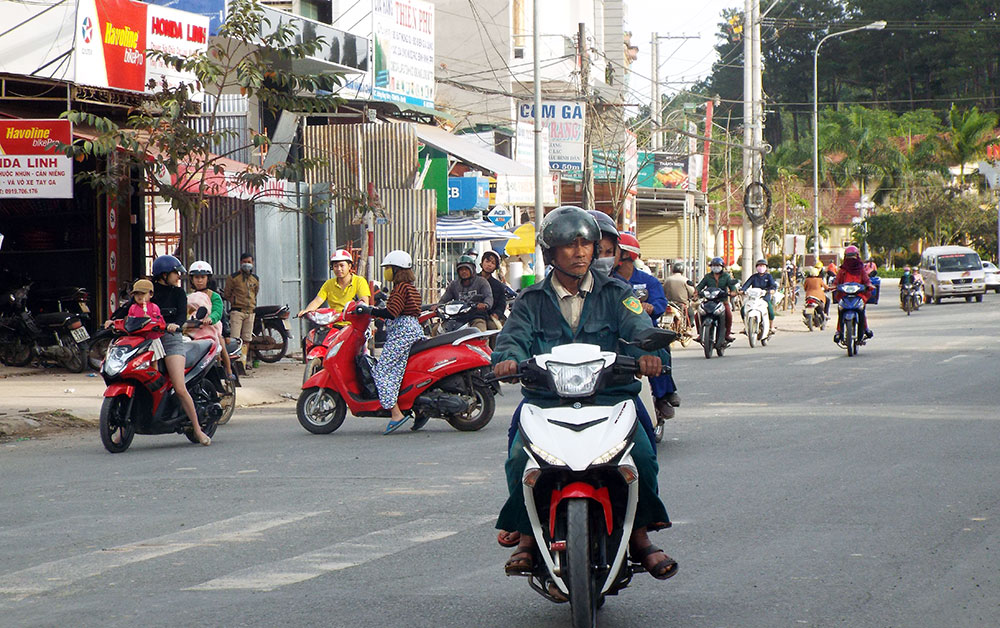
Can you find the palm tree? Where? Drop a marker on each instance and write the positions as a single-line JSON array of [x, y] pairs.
[[970, 133], [869, 160]]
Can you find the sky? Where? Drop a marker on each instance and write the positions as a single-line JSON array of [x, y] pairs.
[[680, 60]]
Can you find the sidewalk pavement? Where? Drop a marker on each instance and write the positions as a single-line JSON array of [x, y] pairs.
[[38, 401]]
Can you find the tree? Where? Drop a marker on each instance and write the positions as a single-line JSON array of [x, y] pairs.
[[888, 232], [970, 133], [860, 138], [174, 161]]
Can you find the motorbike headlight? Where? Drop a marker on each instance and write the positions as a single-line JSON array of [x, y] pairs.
[[117, 358], [610, 454], [546, 456], [452, 309], [321, 318], [575, 380]]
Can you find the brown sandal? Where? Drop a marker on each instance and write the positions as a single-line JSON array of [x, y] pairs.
[[508, 539], [520, 562], [662, 570]]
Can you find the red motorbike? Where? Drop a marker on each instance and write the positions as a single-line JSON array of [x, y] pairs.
[[446, 377], [140, 398], [317, 341]]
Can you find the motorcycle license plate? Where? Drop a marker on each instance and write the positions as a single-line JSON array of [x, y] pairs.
[[288, 324], [79, 334]]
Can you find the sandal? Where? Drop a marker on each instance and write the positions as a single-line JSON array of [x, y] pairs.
[[662, 570], [204, 439], [520, 562], [508, 539]]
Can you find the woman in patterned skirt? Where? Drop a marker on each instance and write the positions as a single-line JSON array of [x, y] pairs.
[[402, 330]]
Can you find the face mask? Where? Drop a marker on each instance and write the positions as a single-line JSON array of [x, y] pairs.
[[387, 274], [761, 269], [604, 265], [247, 268], [716, 269]]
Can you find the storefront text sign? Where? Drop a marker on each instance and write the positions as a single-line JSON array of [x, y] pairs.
[[29, 166], [404, 51], [565, 121]]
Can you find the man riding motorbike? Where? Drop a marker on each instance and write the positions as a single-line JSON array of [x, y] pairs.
[[905, 281], [677, 288], [852, 271], [662, 386], [763, 280], [470, 288], [342, 288], [717, 278], [576, 303]]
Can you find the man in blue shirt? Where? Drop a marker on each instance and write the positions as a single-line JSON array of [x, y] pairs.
[[763, 280], [655, 304]]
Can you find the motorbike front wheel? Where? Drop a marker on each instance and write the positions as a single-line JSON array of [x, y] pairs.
[[850, 332], [752, 326], [481, 408], [583, 596], [720, 339], [14, 351], [275, 337], [707, 338], [116, 428], [320, 410]]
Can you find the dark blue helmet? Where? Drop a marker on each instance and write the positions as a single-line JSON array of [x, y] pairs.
[[717, 261], [165, 264]]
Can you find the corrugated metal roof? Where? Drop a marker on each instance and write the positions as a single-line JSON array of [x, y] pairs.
[[470, 152]]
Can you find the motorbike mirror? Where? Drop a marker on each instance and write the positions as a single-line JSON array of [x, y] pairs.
[[201, 313], [653, 338], [135, 323]]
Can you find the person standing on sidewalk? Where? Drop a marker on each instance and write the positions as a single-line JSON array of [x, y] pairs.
[[241, 292]]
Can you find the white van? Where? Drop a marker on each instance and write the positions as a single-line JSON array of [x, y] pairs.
[[952, 271]]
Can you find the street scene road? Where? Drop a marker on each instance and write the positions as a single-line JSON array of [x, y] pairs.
[[806, 488]]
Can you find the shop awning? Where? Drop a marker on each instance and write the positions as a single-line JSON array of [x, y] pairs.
[[469, 230], [469, 152]]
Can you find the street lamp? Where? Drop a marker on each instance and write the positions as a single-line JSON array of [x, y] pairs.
[[874, 26]]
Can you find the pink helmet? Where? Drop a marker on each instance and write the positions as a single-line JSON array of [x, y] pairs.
[[852, 250]]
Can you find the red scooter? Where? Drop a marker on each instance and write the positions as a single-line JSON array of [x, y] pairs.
[[446, 377], [317, 341], [140, 398]]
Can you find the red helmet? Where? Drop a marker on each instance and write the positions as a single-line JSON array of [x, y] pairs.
[[628, 243], [852, 250], [341, 255]]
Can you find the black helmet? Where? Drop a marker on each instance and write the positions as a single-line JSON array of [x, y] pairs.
[[166, 264], [678, 267], [564, 225], [605, 224], [761, 261]]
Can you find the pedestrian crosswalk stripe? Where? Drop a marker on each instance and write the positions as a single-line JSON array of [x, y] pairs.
[[343, 555], [63, 572]]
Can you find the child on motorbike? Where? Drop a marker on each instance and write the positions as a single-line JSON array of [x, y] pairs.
[[207, 330]]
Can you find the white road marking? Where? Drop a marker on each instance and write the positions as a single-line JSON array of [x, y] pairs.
[[63, 572], [343, 555], [816, 360], [954, 357]]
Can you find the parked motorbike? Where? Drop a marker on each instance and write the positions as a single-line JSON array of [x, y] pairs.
[[580, 482], [877, 285], [446, 377], [911, 298], [758, 326], [140, 398], [712, 312], [814, 314], [60, 299], [270, 332], [851, 304], [58, 337], [317, 341]]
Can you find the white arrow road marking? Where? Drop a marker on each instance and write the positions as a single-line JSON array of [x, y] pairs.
[[343, 555], [954, 357], [63, 572]]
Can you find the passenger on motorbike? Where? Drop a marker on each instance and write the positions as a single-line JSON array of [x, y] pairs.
[[200, 275], [762, 279], [172, 301], [905, 281], [470, 288], [718, 278], [662, 386], [489, 263], [853, 271], [575, 303], [208, 330], [815, 287], [342, 288]]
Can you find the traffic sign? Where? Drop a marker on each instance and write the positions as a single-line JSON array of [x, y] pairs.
[[500, 216]]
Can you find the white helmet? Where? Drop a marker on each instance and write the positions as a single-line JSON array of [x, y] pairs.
[[399, 259], [200, 267], [341, 255]]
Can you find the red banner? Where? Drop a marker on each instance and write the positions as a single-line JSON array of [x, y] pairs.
[[29, 166], [112, 254]]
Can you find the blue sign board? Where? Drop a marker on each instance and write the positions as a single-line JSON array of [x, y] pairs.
[[468, 193]]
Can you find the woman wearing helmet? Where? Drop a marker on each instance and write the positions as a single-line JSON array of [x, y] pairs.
[[200, 275], [718, 278], [402, 329], [342, 288], [470, 288], [577, 304], [172, 301], [852, 270], [814, 286], [607, 248]]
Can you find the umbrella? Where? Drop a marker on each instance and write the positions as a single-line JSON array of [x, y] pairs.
[[523, 242]]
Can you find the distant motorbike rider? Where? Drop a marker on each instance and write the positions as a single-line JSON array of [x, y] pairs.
[[470, 288], [906, 280], [662, 386], [815, 287], [762, 279], [576, 303], [718, 278], [677, 288], [853, 271], [489, 263]]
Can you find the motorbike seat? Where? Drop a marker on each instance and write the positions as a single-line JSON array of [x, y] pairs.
[[267, 311], [52, 319], [58, 293], [441, 340], [195, 350]]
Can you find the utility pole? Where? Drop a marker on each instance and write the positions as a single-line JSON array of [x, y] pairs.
[[537, 93], [654, 97], [588, 152], [748, 134], [758, 122]]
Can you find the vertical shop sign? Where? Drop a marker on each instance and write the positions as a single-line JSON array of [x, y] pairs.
[[404, 51], [565, 121], [112, 253], [29, 165]]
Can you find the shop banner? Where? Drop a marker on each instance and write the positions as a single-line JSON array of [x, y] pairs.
[[662, 170], [519, 191], [37, 39], [29, 165], [114, 35], [565, 121], [404, 51], [111, 253]]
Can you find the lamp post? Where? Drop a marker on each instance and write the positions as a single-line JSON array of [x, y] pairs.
[[874, 26]]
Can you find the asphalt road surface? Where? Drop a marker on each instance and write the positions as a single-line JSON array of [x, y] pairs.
[[807, 489]]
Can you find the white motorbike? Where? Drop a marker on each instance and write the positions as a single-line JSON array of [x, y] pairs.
[[580, 483], [755, 320]]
